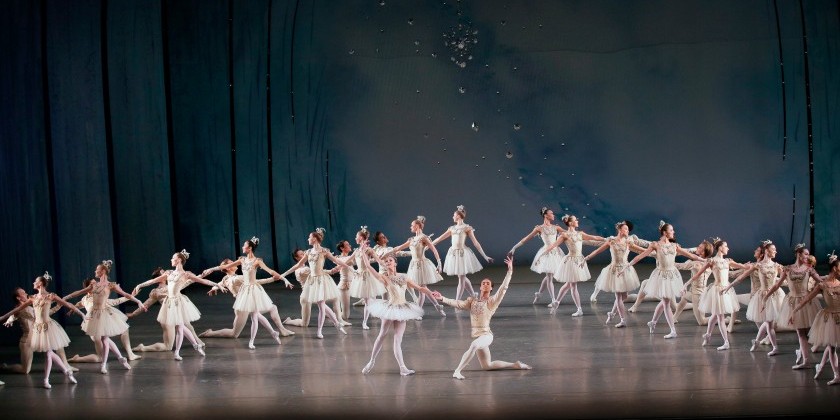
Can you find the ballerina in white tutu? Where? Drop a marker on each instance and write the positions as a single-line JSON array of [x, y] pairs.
[[763, 314], [548, 262], [825, 329], [695, 288], [665, 282], [420, 269], [482, 310], [797, 276], [96, 357], [47, 335], [26, 320], [718, 300], [573, 268], [176, 309], [341, 307], [616, 277], [460, 260], [105, 321], [157, 295], [321, 287], [393, 312], [363, 285]]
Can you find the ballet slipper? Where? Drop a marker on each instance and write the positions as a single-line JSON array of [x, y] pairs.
[[319, 335], [178, 357], [834, 381], [251, 345], [752, 346], [342, 330], [200, 350], [725, 346], [368, 367], [798, 356], [457, 375], [70, 377], [519, 365], [579, 312], [610, 315], [104, 369], [621, 324], [672, 334], [632, 309], [819, 367], [404, 371], [706, 338], [360, 302], [207, 332], [803, 365], [47, 384], [536, 296], [345, 324], [440, 310], [365, 327], [651, 325], [124, 362], [773, 352], [133, 356], [276, 336]]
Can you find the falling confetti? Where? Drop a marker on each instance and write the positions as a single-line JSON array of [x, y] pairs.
[[462, 89], [509, 154], [517, 126], [474, 127]]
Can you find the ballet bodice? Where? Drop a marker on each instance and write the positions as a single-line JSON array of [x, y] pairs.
[[396, 287], [41, 305], [666, 256], [175, 282], [755, 282], [766, 273], [548, 234], [315, 258], [831, 295], [249, 270], [619, 250], [459, 235], [720, 269], [694, 266], [798, 282], [417, 248], [574, 243], [100, 293]]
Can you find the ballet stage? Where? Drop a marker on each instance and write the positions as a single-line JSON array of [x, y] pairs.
[[582, 368]]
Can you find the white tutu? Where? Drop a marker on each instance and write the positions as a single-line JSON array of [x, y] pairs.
[[394, 312], [547, 263], [825, 331], [252, 298], [423, 272], [365, 286], [771, 307], [460, 262], [321, 287], [178, 310], [664, 284], [802, 318], [106, 322], [571, 271], [48, 336], [712, 302], [610, 281]]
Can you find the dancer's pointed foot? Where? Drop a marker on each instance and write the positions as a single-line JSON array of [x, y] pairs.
[[752, 346], [251, 345], [70, 376], [725, 346], [368, 367], [124, 362], [345, 324], [404, 371], [798, 357], [773, 352], [672, 334], [519, 365], [286, 333], [74, 369], [178, 357], [47, 384], [204, 334], [360, 302], [621, 324], [132, 356], [819, 367], [365, 326], [803, 365], [341, 329], [276, 336], [834, 381], [536, 296], [577, 313], [457, 375], [706, 338], [609, 317], [199, 349], [651, 325], [319, 335], [104, 368], [632, 309], [441, 311]]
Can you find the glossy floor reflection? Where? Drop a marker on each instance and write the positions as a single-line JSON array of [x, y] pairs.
[[582, 369]]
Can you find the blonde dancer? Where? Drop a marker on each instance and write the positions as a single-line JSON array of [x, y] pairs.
[[548, 263], [616, 277], [87, 303], [420, 269], [460, 260], [825, 329]]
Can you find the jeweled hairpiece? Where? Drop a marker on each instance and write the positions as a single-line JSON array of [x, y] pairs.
[[320, 230], [798, 247], [185, 253], [49, 277], [107, 263], [714, 240], [544, 210], [254, 240], [832, 257], [767, 242], [662, 223], [363, 229], [460, 207], [421, 219]]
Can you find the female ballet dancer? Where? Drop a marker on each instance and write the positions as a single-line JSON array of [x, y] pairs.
[[481, 311], [665, 281], [548, 262], [322, 287], [105, 321], [252, 297], [233, 282], [364, 286], [797, 275], [718, 300], [26, 319], [617, 277], [87, 303], [420, 269], [460, 260], [176, 309], [764, 315], [825, 330], [573, 268], [47, 335], [698, 286], [393, 312]]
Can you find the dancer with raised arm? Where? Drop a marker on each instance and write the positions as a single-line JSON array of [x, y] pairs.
[[718, 299], [697, 287], [420, 269], [482, 310], [47, 335], [460, 259], [87, 303], [322, 288], [364, 286], [797, 275], [393, 312], [26, 319], [105, 321], [157, 295], [547, 263], [825, 330], [573, 268], [345, 279], [177, 310], [616, 277], [763, 314], [665, 282], [302, 277]]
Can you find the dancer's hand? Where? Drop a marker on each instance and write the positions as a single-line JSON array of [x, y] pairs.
[[437, 295], [489, 260], [212, 292], [289, 284], [145, 309], [135, 291], [9, 322], [509, 262], [206, 272]]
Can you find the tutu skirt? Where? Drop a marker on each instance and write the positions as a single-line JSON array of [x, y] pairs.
[[802, 318], [547, 263], [664, 284], [321, 287], [252, 298], [571, 271], [825, 331], [460, 262], [48, 336], [712, 302], [178, 310], [423, 272], [610, 281], [365, 286], [106, 322], [389, 312], [771, 307]]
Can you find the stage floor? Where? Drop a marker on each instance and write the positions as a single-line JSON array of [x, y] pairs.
[[581, 368]]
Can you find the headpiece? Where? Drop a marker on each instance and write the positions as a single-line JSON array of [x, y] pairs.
[[254, 240], [832, 257], [320, 230], [661, 223], [767, 242], [49, 277], [460, 207], [107, 263], [363, 229], [421, 219], [798, 247], [185, 253]]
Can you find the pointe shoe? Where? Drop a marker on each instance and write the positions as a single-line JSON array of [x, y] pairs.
[[457, 375], [706, 338], [752, 346], [74, 369], [124, 362], [651, 325], [672, 334], [773, 352], [103, 369], [207, 331], [360, 302], [725, 346], [47, 384], [69, 374], [536, 296], [593, 298], [404, 371], [319, 335], [609, 317], [579, 312], [368, 367], [341, 329], [621, 324], [133, 356], [178, 357], [251, 345], [803, 365], [834, 381], [345, 324], [632, 309], [199, 349], [819, 367], [276, 336], [441, 311], [365, 327], [798, 357]]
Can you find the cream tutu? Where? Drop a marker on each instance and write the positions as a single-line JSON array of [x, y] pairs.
[[461, 262], [571, 270], [365, 286], [423, 272], [771, 307], [802, 318], [47, 336], [178, 310], [252, 298], [386, 311], [547, 263], [106, 322], [825, 331], [712, 302], [664, 284], [611, 281], [321, 288]]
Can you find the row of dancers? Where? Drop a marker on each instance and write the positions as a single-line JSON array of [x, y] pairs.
[[359, 279]]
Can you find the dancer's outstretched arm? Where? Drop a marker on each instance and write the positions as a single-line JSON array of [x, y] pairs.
[[159, 279], [527, 237], [471, 233], [744, 273], [120, 291]]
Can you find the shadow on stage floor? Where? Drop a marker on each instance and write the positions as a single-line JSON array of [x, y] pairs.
[[582, 368]]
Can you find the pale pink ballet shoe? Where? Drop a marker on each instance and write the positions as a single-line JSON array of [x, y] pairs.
[[124, 362], [803, 365], [70, 377], [457, 375], [368, 367], [104, 369], [672, 334], [365, 327], [404, 371], [47, 384], [725, 346], [579, 312], [440, 311], [798, 356], [199, 349], [834, 381], [819, 367], [632, 309], [251, 346], [773, 352], [621, 324], [319, 335], [341, 329], [651, 325], [706, 338], [276, 336], [536, 297], [178, 357], [133, 356], [752, 346], [610, 315]]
